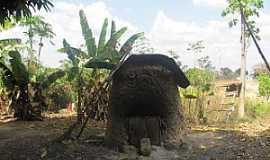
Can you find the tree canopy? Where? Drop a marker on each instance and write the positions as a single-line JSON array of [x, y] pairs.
[[21, 8]]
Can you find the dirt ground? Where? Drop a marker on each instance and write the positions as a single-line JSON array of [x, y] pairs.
[[32, 141]]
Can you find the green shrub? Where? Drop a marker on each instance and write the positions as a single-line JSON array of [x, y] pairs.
[[59, 96], [264, 85], [257, 108]]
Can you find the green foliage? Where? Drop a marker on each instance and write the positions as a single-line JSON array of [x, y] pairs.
[[250, 9], [9, 42], [59, 96], [22, 90], [127, 46], [201, 79], [88, 35], [18, 68], [97, 63], [264, 85], [51, 78], [71, 53], [7, 77], [36, 26], [257, 108], [7, 24], [21, 8], [43, 29], [106, 54], [102, 37]]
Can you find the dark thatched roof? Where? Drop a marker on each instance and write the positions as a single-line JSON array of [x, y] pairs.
[[158, 59]]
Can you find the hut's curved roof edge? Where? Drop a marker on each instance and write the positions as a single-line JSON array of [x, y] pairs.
[[158, 59]]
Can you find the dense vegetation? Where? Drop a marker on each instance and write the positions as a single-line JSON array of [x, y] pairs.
[[225, 113]]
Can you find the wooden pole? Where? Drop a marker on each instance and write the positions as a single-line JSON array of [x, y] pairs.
[[241, 108]]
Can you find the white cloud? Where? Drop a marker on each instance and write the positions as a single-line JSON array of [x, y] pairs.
[[221, 42], [210, 3], [66, 24]]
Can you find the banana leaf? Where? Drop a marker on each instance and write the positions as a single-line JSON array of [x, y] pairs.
[[99, 64], [88, 35], [52, 78], [128, 45], [7, 77], [102, 37], [70, 52], [18, 68]]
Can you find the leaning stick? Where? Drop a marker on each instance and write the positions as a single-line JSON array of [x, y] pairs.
[[254, 38], [107, 82]]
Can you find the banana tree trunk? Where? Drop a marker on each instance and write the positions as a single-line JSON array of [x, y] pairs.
[[22, 106], [79, 106]]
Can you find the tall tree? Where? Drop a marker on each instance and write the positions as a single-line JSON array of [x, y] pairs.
[[36, 27], [43, 30], [249, 8]]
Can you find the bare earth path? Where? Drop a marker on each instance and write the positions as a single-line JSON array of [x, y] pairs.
[[29, 141]]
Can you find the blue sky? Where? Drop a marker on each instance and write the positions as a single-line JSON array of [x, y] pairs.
[[143, 12], [169, 25]]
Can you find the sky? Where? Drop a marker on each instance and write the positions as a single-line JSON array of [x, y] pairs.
[[168, 25]]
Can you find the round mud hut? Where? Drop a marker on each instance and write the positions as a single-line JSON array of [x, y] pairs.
[[144, 101]]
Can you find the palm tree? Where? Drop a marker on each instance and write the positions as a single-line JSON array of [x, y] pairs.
[[43, 30], [36, 26]]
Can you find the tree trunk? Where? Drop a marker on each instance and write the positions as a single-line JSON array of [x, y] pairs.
[[241, 108], [40, 47], [22, 105], [79, 107], [30, 54]]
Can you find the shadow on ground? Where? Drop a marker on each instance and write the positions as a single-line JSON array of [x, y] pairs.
[[31, 141]]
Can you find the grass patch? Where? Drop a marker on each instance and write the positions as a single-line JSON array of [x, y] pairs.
[[257, 108]]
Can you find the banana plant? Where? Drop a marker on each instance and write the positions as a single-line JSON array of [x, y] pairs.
[[106, 53], [15, 77]]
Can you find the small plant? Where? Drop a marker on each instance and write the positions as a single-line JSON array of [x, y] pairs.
[[264, 85], [257, 108]]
